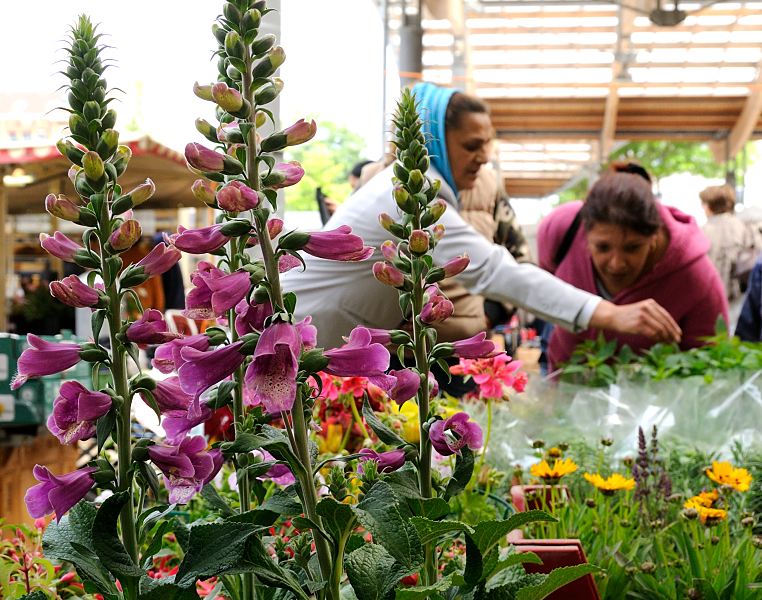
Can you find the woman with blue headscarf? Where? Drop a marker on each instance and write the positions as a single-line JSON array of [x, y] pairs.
[[458, 130]]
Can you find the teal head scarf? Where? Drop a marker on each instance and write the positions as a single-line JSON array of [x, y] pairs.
[[432, 106]]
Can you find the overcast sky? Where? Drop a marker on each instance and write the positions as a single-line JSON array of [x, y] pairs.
[[161, 47]]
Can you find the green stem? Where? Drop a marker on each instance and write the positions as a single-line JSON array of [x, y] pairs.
[[358, 419]]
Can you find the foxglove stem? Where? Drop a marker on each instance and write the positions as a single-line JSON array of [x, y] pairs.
[[124, 418]]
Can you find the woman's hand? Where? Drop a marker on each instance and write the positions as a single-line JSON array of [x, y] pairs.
[[646, 317]]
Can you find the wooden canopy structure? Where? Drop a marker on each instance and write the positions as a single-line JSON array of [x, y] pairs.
[[569, 80]]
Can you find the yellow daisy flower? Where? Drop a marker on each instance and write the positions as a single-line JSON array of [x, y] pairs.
[[705, 499], [550, 474], [710, 516], [610, 485], [724, 473]]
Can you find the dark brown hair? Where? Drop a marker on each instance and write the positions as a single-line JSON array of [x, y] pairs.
[[624, 199], [460, 104], [719, 198]]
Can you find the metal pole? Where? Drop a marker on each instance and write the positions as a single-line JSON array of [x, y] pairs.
[[384, 75], [6, 246]]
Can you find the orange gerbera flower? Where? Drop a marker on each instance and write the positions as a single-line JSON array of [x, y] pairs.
[[552, 474], [724, 473], [610, 485]]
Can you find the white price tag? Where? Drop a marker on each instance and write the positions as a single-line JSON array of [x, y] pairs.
[[4, 370], [7, 408]]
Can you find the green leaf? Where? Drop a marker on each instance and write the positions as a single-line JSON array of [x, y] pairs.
[[212, 497], [338, 518], [258, 561], [257, 516], [431, 591], [104, 426], [704, 586], [464, 468], [289, 302], [36, 595], [556, 579], [156, 543], [517, 558], [164, 589], [284, 502], [429, 531], [214, 549], [386, 435], [373, 572], [404, 482], [431, 508], [96, 320], [488, 533], [380, 514], [76, 528], [107, 544]]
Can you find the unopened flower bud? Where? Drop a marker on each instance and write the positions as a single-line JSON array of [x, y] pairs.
[[386, 221], [270, 63], [107, 144], [402, 198], [206, 129], [388, 274], [283, 175], [72, 174], [250, 20], [274, 227], [125, 236], [434, 212], [227, 98], [63, 208], [537, 444], [415, 181], [93, 166], [690, 513], [142, 192], [70, 151], [296, 134], [607, 441], [203, 192], [203, 91], [455, 266], [747, 521], [419, 242], [233, 46], [590, 502], [389, 250], [268, 92], [438, 232], [121, 159], [263, 44]]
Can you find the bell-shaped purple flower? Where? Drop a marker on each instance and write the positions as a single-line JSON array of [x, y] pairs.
[[387, 461], [150, 328], [44, 358], [337, 244], [72, 291], [360, 357], [170, 396], [284, 175], [477, 346], [168, 357], [250, 317], [160, 259], [202, 370], [279, 474], [57, 493], [75, 411], [406, 386], [199, 241], [60, 246], [237, 197], [300, 132], [307, 332], [450, 436], [287, 262], [174, 405], [271, 376], [437, 310], [186, 466], [215, 291]]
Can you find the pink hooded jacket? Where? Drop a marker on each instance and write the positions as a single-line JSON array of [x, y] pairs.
[[684, 281]]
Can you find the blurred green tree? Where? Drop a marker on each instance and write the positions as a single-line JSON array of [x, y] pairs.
[[327, 160]]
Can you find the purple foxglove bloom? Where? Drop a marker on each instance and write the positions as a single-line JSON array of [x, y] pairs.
[[280, 474], [380, 336], [437, 310], [433, 386], [250, 317], [60, 246], [271, 376], [73, 292], [406, 387], [474, 347], [174, 404], [202, 370], [186, 466], [142, 192], [215, 291], [170, 396], [168, 357], [388, 274], [448, 437], [202, 158], [62, 207], [203, 192], [150, 328], [44, 358], [57, 493], [237, 197], [274, 227], [360, 357], [125, 236], [389, 250], [227, 98], [307, 332], [283, 175], [75, 411], [177, 423], [338, 244], [387, 461], [160, 259], [199, 241], [456, 265], [300, 132], [287, 262]]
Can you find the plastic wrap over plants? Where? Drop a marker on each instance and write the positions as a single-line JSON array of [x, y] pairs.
[[709, 413]]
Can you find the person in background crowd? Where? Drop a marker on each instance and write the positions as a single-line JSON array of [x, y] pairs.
[[731, 241], [749, 326], [172, 282], [630, 247], [150, 292], [458, 130]]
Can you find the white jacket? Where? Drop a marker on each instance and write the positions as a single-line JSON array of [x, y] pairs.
[[342, 295]]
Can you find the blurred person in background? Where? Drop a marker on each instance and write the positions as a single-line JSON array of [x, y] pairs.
[[630, 247]]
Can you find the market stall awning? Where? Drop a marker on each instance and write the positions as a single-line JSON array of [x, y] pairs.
[[166, 167]]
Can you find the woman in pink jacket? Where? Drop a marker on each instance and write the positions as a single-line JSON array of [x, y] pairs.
[[628, 247]]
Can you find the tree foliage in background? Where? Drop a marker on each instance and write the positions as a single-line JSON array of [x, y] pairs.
[[327, 160], [663, 158]]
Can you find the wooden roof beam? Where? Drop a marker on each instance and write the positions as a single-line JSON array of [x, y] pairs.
[[747, 120]]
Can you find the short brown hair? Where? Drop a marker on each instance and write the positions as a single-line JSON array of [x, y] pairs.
[[460, 104], [719, 198], [623, 199]]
